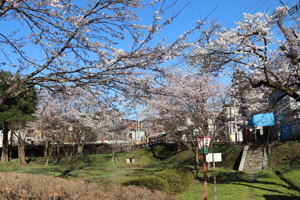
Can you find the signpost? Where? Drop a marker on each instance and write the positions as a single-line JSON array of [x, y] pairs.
[[204, 143], [214, 157]]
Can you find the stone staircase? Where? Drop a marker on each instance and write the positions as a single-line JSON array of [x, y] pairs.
[[254, 159]]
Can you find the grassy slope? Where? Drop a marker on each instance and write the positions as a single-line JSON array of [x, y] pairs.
[[285, 158], [265, 185], [231, 184], [101, 168], [235, 185], [93, 167]]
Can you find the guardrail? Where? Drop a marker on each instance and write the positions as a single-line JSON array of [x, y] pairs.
[[243, 159]]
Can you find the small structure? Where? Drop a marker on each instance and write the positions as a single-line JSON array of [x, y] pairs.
[[137, 136], [261, 122]]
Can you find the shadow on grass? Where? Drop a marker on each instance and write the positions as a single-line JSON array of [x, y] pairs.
[[230, 177], [287, 181], [143, 172], [260, 188], [280, 197], [164, 151], [246, 179]]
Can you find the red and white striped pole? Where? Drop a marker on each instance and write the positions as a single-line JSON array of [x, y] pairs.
[[204, 143]]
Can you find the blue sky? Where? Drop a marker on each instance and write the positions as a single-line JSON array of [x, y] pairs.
[[225, 12]]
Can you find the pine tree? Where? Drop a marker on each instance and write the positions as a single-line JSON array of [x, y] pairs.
[[15, 112]]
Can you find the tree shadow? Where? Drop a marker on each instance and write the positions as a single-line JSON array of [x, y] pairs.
[[287, 181], [230, 177], [66, 172], [143, 172], [280, 197], [260, 188], [242, 178], [163, 151]]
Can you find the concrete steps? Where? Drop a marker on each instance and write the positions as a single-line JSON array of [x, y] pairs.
[[254, 159]]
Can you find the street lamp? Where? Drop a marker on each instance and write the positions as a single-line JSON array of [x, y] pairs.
[[204, 143]]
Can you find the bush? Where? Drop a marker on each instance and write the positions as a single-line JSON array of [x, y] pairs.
[[164, 151], [178, 179], [39, 187], [151, 182], [171, 180]]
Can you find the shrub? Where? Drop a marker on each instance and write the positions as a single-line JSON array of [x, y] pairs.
[[151, 182], [39, 187], [164, 151], [178, 179], [171, 180]]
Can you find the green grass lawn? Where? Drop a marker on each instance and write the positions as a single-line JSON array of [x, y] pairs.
[[92, 167], [293, 176], [231, 185], [285, 160]]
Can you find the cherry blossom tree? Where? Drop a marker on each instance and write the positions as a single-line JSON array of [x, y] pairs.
[[185, 104], [51, 43], [70, 117], [50, 123], [262, 48], [250, 100]]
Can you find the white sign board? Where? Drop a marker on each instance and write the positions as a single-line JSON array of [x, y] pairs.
[[217, 157]]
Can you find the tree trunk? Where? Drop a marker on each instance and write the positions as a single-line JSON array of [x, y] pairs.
[[46, 149], [58, 152], [4, 156], [21, 151], [47, 161], [49, 154], [197, 163], [114, 153], [80, 149]]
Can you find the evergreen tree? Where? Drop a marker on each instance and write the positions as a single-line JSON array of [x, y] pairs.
[[15, 112]]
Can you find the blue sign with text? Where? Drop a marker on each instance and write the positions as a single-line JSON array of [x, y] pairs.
[[262, 119]]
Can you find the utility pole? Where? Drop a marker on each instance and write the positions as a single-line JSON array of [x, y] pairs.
[[137, 121], [235, 126], [230, 128]]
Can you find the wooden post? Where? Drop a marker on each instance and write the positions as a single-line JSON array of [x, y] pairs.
[[205, 193], [215, 178]]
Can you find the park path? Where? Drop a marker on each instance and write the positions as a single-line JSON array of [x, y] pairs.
[[251, 177]]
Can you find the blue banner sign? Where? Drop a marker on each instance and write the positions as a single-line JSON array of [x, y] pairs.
[[262, 119]]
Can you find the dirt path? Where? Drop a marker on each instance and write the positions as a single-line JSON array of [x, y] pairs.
[[252, 177]]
